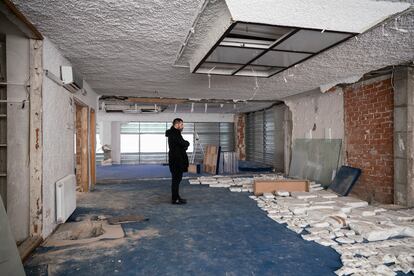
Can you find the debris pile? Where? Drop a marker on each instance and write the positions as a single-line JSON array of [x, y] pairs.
[[242, 184], [371, 240], [345, 224]]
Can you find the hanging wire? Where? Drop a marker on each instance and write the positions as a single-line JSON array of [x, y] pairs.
[[209, 76], [256, 88]]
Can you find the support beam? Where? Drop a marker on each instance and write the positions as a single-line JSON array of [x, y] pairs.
[[84, 150], [92, 142], [36, 138], [181, 101], [404, 136]]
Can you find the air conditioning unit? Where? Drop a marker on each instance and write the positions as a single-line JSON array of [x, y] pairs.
[[71, 81]]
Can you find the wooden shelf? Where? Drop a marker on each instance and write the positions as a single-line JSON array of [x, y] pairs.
[[3, 145], [3, 116], [3, 174]]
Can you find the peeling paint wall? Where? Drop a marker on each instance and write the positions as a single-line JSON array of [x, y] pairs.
[[59, 115], [17, 56], [317, 115]]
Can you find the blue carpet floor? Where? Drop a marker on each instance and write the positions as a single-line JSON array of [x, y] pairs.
[[111, 174], [116, 172], [216, 233]]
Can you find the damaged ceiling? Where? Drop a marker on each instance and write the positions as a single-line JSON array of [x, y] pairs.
[[128, 48], [131, 105]]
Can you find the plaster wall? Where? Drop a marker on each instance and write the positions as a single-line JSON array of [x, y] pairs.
[[17, 60], [58, 126], [317, 115]]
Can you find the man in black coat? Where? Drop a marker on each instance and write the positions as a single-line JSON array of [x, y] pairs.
[[177, 158]]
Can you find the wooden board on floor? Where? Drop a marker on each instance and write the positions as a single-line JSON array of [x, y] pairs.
[[288, 185], [211, 158]]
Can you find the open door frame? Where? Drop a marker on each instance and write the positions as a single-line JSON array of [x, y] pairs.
[[92, 141], [82, 149]]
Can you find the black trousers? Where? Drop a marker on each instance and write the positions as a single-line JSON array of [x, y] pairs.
[[177, 176]]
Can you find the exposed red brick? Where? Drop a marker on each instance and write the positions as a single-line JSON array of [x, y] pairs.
[[240, 134], [368, 111]]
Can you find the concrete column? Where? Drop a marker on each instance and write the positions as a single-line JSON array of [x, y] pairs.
[[403, 136], [287, 126], [105, 131], [116, 142]]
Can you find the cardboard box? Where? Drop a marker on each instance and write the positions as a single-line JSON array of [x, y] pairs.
[[288, 185], [194, 168]]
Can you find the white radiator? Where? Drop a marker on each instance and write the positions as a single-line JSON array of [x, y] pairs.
[[65, 198]]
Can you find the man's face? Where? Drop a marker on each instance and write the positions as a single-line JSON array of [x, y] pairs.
[[179, 126]]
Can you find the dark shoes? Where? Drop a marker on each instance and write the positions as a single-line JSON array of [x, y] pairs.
[[179, 201]]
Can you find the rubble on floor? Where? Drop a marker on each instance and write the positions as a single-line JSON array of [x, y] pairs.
[[242, 183], [371, 240]]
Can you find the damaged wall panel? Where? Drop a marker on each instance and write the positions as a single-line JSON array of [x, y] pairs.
[[317, 115], [36, 138]]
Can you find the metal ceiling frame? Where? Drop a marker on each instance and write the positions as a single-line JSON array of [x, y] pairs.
[[264, 51]]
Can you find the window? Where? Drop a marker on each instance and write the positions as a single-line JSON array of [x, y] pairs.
[[130, 143], [145, 142]]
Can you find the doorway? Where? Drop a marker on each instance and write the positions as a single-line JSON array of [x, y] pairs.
[[81, 147]]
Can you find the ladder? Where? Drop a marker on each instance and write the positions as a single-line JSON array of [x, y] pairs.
[[196, 146]]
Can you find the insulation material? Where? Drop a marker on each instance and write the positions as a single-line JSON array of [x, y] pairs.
[[344, 15], [124, 62]]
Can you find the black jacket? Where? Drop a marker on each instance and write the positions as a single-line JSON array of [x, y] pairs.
[[177, 155]]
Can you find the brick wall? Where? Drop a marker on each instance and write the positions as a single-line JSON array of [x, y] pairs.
[[240, 125], [368, 114]]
